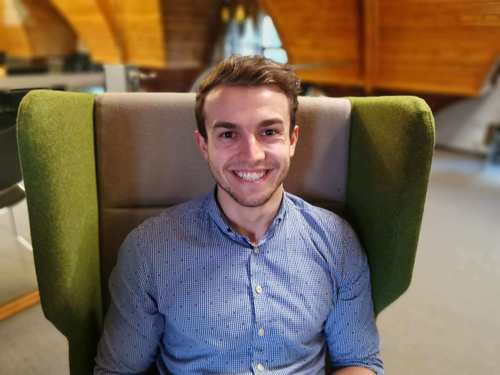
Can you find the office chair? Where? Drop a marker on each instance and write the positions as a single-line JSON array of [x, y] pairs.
[[96, 166]]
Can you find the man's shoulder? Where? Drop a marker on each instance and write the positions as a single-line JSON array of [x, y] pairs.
[[328, 232], [186, 214], [319, 220], [312, 211]]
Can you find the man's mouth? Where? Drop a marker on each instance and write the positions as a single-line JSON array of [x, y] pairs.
[[251, 176]]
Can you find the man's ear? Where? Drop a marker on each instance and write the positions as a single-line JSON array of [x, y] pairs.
[[294, 138], [202, 144]]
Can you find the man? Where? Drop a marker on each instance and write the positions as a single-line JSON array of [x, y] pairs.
[[248, 279]]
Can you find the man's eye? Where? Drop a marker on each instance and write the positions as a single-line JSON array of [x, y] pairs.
[[228, 134], [270, 132]]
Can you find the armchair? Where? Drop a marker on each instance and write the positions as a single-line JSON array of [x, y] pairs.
[[96, 166]]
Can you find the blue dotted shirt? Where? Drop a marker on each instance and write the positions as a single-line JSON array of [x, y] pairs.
[[195, 297]]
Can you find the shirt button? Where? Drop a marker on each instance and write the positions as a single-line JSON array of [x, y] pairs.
[[261, 332], [258, 289], [260, 367], [256, 250]]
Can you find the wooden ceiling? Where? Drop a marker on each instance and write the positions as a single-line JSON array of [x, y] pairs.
[[322, 36], [190, 31], [435, 46], [91, 24], [147, 33], [440, 46], [33, 29]]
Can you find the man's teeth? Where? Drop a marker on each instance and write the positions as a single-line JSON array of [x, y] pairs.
[[251, 176]]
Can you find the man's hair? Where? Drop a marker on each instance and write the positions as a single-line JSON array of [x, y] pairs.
[[248, 71]]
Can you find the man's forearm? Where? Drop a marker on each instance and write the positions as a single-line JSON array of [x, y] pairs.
[[353, 371]]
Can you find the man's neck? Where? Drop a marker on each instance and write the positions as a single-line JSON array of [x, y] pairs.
[[252, 222]]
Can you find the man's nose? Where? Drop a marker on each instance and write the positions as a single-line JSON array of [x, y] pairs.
[[252, 149]]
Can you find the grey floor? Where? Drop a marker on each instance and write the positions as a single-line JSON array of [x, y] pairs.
[[449, 320], [17, 271], [447, 323]]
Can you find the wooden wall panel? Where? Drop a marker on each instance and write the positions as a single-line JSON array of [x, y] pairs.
[[13, 36], [17, 42], [370, 43], [147, 33], [138, 25], [48, 32], [439, 46], [3, 31], [191, 28], [89, 21], [323, 35], [34, 29]]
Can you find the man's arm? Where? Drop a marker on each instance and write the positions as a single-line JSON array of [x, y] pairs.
[[350, 330], [133, 326]]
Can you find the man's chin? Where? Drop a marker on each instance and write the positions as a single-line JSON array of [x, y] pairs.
[[251, 202], [246, 195]]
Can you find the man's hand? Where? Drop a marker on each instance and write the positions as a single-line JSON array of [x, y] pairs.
[[354, 371]]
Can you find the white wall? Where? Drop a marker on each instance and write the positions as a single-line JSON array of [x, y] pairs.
[[463, 124]]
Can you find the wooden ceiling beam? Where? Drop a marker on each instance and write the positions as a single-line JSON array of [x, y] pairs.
[[90, 23], [138, 28], [370, 43], [34, 29], [321, 37]]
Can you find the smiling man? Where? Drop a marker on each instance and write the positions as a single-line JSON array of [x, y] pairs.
[[248, 145], [248, 279]]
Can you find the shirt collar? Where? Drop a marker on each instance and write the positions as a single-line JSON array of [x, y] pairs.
[[218, 217]]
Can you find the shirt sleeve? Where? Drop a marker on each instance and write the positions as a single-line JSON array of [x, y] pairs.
[[133, 326], [350, 330]]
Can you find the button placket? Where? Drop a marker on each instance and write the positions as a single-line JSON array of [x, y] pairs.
[[260, 310]]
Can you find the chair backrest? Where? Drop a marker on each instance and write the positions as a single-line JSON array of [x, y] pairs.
[[94, 167], [147, 159]]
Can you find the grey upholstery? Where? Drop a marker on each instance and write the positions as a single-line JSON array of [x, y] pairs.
[[147, 159]]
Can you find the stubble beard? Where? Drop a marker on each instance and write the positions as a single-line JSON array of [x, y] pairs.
[[247, 202]]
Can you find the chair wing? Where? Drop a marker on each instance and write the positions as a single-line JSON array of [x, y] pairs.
[[391, 145], [56, 145]]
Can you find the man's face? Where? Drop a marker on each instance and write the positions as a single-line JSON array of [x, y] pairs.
[[248, 145]]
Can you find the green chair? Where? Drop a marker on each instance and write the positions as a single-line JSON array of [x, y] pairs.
[[96, 166]]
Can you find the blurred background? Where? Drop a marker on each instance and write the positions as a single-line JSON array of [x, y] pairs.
[[445, 51]]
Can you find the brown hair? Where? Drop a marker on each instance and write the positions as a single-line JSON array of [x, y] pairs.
[[248, 71]]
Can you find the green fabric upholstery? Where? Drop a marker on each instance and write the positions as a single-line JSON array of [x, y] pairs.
[[391, 144], [56, 146]]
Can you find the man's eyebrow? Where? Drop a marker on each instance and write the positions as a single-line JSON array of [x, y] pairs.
[[271, 121], [231, 126], [223, 125]]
